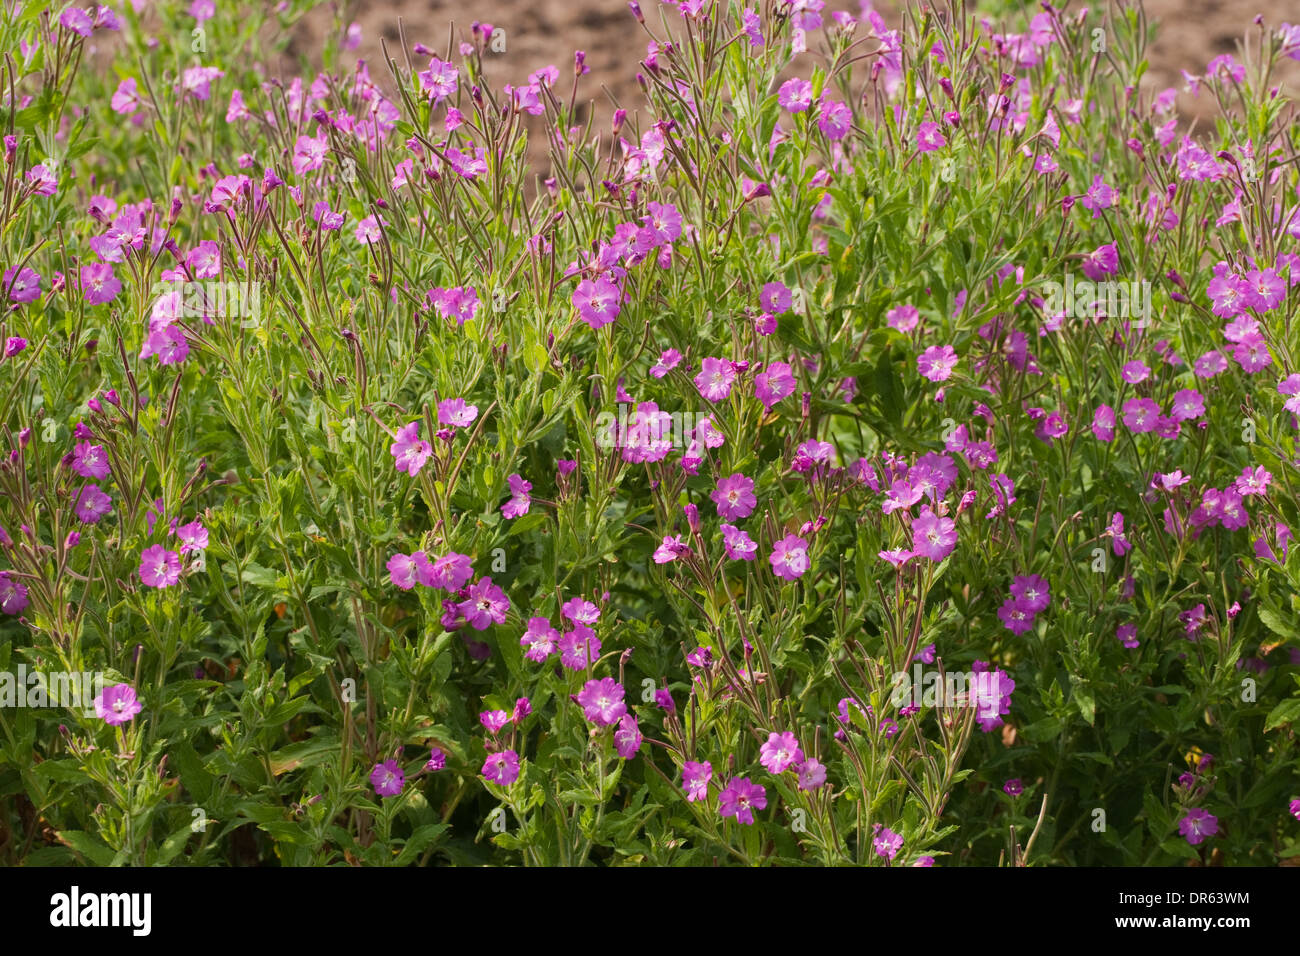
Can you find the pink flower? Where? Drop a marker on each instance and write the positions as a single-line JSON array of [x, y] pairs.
[[773, 384], [1126, 634], [795, 95], [455, 413], [159, 568], [811, 774], [715, 379], [125, 99], [789, 557], [117, 704], [933, 536], [740, 799], [540, 639], [734, 497], [904, 318], [597, 301], [929, 137], [485, 605], [1098, 197], [602, 701], [670, 549], [409, 451], [519, 502], [98, 283], [579, 648], [695, 780], [1198, 825], [580, 611], [627, 737], [1135, 371], [502, 768], [92, 504], [738, 545], [450, 572], [1033, 591], [1141, 414], [387, 778], [835, 119], [76, 20], [1103, 423], [776, 298], [937, 362], [779, 752], [887, 843], [1016, 616], [90, 461], [13, 594]]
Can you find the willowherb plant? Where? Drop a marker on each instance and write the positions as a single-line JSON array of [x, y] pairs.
[[876, 446]]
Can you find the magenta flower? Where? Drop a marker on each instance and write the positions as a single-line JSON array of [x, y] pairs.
[[597, 301], [835, 119], [739, 545], [795, 95], [502, 768], [1033, 591], [734, 497], [1135, 372], [779, 752], [117, 704], [904, 318], [76, 20], [1098, 197], [579, 611], [90, 461], [387, 779], [1253, 481], [602, 701], [1126, 634], [1101, 262], [1016, 616], [193, 536], [1198, 825], [937, 362], [1103, 423], [695, 780], [98, 283], [540, 639], [669, 359], [409, 451], [579, 648], [929, 137], [789, 558], [519, 502], [715, 379], [627, 737], [1013, 787], [486, 604], [811, 774], [92, 504], [24, 286], [773, 384], [493, 720], [670, 549], [455, 413], [933, 536], [776, 298], [887, 843], [437, 759], [159, 568], [740, 799], [13, 594], [1141, 414]]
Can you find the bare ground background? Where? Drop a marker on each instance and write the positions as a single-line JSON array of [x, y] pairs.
[[540, 32]]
